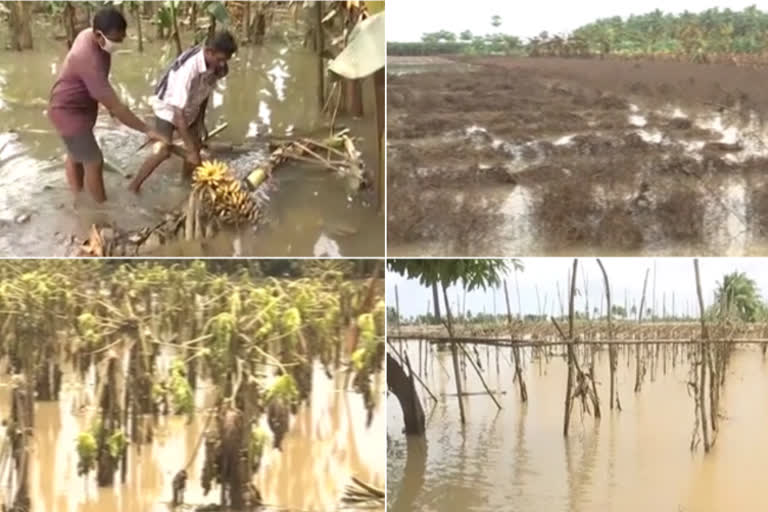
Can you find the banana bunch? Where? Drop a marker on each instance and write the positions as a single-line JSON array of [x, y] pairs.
[[226, 197]]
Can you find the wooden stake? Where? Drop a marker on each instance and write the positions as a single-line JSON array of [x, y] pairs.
[[449, 325], [515, 350], [639, 369], [703, 351], [612, 355], [571, 357], [479, 374]]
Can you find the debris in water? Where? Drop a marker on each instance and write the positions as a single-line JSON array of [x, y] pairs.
[[326, 248]]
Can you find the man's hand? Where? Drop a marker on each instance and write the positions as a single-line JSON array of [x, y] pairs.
[[153, 135]]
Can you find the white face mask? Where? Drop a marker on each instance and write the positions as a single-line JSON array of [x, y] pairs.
[[109, 45]]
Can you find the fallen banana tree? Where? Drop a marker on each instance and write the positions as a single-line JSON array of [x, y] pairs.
[[220, 199]]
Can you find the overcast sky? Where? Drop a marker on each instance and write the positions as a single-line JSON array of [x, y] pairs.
[[408, 20], [672, 274]]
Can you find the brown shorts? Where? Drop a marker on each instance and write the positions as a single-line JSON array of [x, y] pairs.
[[163, 127], [83, 148]]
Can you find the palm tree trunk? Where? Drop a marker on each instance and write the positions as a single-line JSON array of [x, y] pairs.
[[193, 19], [137, 15], [175, 26], [261, 27], [156, 6], [379, 85], [351, 89], [319, 48], [68, 20], [353, 96], [26, 25], [246, 23], [19, 23], [403, 388]]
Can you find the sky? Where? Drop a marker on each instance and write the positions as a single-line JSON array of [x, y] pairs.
[[407, 20], [624, 274]]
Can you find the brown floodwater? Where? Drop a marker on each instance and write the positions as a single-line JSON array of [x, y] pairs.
[[271, 91], [635, 460], [327, 444]]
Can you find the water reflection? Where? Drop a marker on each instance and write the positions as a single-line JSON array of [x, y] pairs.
[[327, 444]]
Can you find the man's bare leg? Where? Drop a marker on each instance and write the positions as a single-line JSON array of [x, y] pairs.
[[148, 167], [94, 180], [188, 170], [75, 173]]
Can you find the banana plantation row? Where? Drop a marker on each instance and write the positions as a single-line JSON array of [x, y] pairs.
[[254, 338], [713, 34]]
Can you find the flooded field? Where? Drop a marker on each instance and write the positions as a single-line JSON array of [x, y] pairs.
[[570, 156], [633, 460], [327, 444], [134, 386], [271, 91]]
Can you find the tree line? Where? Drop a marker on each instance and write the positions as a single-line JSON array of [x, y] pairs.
[[694, 36], [736, 297]]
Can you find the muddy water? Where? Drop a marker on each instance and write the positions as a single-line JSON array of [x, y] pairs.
[[271, 91], [631, 461], [327, 443]]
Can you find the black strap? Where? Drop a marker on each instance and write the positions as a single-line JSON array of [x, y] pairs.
[[162, 85]]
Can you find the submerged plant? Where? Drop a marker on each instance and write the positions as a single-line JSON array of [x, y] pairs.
[[182, 397], [86, 452]]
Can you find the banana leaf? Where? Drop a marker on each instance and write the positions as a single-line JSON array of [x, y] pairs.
[[374, 7], [218, 11], [364, 54]]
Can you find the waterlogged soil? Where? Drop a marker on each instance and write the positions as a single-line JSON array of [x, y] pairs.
[[327, 443], [633, 460], [271, 92], [497, 156]]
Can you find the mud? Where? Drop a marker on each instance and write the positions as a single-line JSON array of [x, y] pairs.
[[607, 156]]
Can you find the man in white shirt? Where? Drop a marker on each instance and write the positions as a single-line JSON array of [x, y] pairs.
[[181, 97]]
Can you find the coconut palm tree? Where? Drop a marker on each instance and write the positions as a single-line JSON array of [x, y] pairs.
[[737, 296]]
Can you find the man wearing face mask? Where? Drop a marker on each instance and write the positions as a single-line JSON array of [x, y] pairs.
[[181, 98], [82, 84]]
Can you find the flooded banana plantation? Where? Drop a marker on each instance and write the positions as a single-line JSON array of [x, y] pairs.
[[192, 385], [291, 162], [624, 384]]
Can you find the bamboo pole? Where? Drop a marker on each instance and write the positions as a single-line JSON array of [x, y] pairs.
[[479, 374], [639, 369], [571, 357], [703, 350], [505, 342], [397, 313], [612, 355], [454, 356], [515, 350]]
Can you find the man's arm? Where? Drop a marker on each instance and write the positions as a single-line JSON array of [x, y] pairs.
[[123, 114], [101, 90]]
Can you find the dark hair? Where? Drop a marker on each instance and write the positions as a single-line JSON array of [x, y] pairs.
[[109, 19], [222, 42]]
